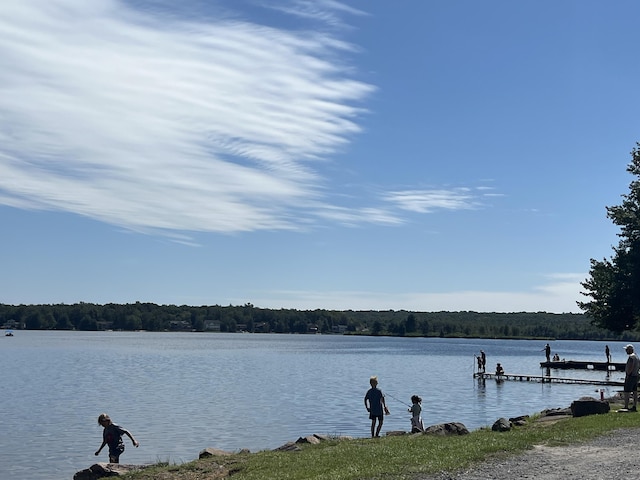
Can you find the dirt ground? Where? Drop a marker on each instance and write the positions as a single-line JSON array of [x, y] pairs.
[[613, 456]]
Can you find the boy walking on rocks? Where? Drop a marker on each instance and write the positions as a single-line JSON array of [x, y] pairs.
[[112, 436]]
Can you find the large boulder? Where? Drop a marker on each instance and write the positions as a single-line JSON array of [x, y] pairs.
[[102, 470], [589, 406], [519, 421], [452, 428], [213, 452], [288, 447], [312, 439], [555, 412], [501, 425]]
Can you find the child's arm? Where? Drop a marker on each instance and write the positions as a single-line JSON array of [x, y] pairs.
[[384, 404], [133, 440], [101, 447]]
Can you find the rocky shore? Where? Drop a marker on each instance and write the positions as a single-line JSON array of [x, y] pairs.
[[612, 455]]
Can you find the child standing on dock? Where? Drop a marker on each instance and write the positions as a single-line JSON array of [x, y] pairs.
[[631, 378]]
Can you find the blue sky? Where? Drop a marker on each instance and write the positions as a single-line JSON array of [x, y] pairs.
[[358, 154]]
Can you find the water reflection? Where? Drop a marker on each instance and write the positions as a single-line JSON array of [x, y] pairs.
[[249, 391]]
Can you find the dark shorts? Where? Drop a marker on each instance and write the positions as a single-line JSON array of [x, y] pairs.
[[114, 453], [380, 418], [631, 383]]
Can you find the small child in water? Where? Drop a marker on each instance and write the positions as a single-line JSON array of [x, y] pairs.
[[416, 410]]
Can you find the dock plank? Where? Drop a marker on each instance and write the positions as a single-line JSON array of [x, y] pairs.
[[584, 365], [545, 379]]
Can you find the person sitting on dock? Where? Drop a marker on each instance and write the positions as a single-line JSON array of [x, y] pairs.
[[556, 357], [499, 369], [631, 378]]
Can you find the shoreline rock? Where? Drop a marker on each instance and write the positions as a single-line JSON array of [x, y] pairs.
[[101, 470], [583, 406]]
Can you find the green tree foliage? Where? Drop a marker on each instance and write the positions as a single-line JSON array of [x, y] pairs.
[[614, 284], [411, 323], [152, 317]]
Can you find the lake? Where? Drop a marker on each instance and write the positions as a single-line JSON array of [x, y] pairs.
[[181, 392]]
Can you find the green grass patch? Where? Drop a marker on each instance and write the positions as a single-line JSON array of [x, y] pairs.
[[397, 457]]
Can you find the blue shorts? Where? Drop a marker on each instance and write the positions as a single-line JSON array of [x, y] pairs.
[[380, 418]]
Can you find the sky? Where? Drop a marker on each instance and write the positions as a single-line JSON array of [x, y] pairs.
[[418, 155]]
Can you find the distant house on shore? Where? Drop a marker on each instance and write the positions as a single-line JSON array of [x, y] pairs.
[[211, 326], [12, 324]]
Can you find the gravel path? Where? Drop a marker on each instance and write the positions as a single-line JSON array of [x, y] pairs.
[[608, 457]]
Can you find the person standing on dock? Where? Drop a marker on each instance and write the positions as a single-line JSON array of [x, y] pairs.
[[483, 358], [607, 352], [631, 378], [547, 352]]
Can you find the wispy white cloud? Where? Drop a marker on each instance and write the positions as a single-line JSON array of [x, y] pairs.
[[146, 123], [557, 294], [161, 123], [358, 216], [426, 201], [329, 11]]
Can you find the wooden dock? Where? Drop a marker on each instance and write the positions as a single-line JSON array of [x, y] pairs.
[[584, 365], [545, 379]]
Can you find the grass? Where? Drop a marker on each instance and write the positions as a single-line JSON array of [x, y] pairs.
[[395, 457]]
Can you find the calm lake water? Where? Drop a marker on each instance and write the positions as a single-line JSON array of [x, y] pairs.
[[181, 392]]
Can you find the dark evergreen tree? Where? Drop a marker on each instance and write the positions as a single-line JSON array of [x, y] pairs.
[[614, 284]]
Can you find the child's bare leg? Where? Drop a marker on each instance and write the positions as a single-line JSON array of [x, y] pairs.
[[379, 428]]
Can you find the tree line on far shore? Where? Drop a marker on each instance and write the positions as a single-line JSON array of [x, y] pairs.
[[247, 318]]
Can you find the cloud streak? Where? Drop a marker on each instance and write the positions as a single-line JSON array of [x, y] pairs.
[[158, 123], [110, 113], [426, 201], [558, 294]]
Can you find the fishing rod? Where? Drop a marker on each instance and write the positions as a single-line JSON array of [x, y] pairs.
[[397, 399]]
